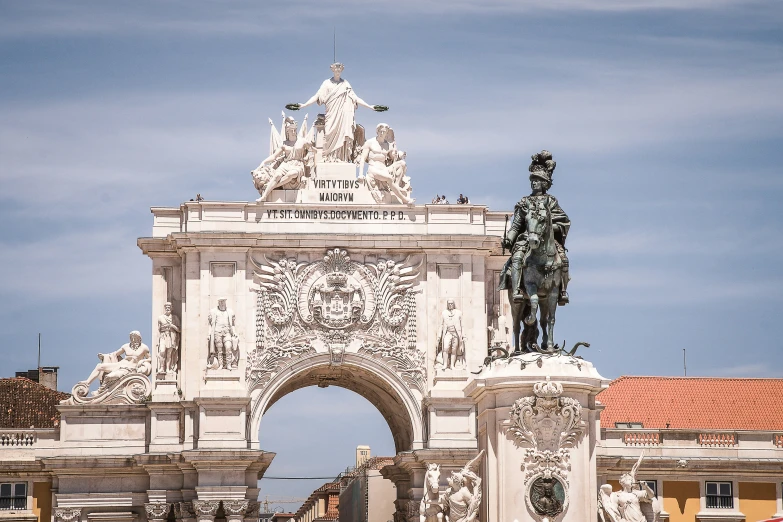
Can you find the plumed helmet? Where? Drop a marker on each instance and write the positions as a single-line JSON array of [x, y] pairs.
[[542, 166]]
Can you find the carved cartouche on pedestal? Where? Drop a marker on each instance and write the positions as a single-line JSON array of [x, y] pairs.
[[548, 425]]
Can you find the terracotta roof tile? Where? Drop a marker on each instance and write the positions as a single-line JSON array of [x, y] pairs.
[[25, 403], [706, 403]]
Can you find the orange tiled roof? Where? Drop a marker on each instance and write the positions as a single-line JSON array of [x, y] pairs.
[[706, 403], [25, 403], [332, 507]]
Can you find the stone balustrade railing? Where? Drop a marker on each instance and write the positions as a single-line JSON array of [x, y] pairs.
[[17, 438], [779, 440], [642, 438], [717, 439]]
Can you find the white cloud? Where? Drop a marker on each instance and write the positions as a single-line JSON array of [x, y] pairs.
[[214, 18]]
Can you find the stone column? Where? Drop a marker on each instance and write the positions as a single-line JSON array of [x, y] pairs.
[[157, 511], [235, 509], [206, 510], [184, 512], [67, 514]]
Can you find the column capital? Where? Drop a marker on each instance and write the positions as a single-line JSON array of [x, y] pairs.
[[157, 510], [235, 509], [66, 514], [206, 509]]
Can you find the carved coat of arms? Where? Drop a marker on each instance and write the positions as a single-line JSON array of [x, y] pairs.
[[335, 305], [547, 424]]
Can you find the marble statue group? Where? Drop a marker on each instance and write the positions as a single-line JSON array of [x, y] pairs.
[[334, 138]]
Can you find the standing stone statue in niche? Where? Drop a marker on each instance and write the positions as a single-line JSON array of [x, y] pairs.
[[168, 343], [223, 341], [536, 274], [340, 124], [291, 157], [451, 343], [386, 167], [635, 502]]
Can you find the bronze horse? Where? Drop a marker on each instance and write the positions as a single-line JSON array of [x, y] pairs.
[[542, 279]]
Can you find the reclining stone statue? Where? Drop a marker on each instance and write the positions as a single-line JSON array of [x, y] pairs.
[[123, 380]]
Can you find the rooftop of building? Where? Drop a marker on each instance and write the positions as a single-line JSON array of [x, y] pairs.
[[694, 403], [27, 404], [332, 492]]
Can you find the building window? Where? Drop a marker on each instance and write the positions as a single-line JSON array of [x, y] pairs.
[[719, 495], [652, 484], [629, 425], [13, 495]]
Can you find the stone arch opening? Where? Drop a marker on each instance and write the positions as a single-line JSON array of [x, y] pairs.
[[385, 390]]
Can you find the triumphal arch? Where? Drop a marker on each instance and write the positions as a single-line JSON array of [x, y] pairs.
[[442, 316]]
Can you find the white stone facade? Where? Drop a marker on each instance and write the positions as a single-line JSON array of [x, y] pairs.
[[313, 293]]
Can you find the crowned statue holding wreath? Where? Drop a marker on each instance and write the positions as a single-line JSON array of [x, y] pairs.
[[341, 102]]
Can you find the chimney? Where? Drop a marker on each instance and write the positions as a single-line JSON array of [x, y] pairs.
[[45, 375]]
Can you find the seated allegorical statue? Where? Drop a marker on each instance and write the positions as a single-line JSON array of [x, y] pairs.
[[289, 160], [386, 167], [114, 366]]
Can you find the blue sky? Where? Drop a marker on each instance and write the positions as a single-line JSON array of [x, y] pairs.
[[665, 118]]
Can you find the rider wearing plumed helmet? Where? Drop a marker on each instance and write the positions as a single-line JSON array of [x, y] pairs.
[[542, 168]]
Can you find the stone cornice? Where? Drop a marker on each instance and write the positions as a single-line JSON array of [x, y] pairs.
[[419, 243]]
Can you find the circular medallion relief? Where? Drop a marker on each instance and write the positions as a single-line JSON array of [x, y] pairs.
[[547, 496]]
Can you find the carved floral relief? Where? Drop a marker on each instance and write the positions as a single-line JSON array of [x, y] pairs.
[[335, 305]]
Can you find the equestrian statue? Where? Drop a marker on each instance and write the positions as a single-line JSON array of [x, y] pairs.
[[536, 274]]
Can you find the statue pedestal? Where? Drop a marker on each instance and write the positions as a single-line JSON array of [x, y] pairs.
[[523, 412], [166, 389], [222, 382]]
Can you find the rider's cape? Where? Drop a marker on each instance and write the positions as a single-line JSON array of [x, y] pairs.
[[560, 223]]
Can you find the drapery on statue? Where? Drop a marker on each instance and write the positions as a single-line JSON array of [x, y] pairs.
[[635, 502], [168, 342], [340, 124], [386, 167], [463, 496], [291, 157], [123, 380], [538, 265], [223, 341], [112, 367]]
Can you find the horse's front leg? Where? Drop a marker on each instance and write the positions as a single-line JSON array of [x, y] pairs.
[[516, 312], [532, 292], [551, 307]]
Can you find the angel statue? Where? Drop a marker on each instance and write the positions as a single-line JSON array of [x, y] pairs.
[[463, 496], [635, 502], [289, 160]]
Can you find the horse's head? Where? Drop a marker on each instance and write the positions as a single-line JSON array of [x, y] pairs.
[[537, 224], [432, 478]]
